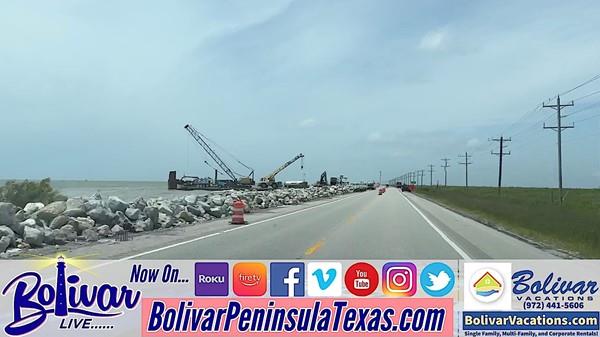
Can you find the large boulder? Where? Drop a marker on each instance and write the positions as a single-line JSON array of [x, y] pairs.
[[49, 238], [186, 216], [146, 225], [74, 203], [140, 226], [205, 206], [133, 213], [51, 211], [59, 221], [69, 231], [139, 203], [92, 204], [75, 213], [116, 204], [103, 230], [217, 200], [84, 224], [102, 216], [190, 199], [217, 212], [152, 214], [90, 235], [34, 237], [7, 232], [4, 243], [165, 210], [165, 221], [7, 213], [116, 229], [33, 207], [20, 227], [123, 221], [197, 211], [60, 237]]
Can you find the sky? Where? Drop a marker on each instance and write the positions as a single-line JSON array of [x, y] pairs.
[[101, 90]]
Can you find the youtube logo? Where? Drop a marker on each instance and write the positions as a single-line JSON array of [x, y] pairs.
[[361, 279]]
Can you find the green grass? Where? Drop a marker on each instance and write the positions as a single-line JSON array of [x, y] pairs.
[[22, 192], [533, 213]]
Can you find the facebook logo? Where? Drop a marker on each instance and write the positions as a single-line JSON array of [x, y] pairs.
[[287, 279]]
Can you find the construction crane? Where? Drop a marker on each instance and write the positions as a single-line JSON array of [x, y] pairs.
[[269, 181], [242, 181]]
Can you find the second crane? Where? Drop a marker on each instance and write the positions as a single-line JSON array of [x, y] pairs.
[[269, 180]]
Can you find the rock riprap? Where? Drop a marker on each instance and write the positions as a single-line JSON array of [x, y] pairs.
[[91, 219]]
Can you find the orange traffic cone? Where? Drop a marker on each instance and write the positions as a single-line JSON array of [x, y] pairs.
[[237, 218]]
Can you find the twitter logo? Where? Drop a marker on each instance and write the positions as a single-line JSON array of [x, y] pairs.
[[437, 279]]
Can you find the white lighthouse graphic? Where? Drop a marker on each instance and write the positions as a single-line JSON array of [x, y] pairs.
[[60, 306]]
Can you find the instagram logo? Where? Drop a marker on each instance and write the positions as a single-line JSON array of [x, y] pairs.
[[399, 279]]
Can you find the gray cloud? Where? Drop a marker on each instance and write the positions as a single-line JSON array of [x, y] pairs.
[[101, 91]]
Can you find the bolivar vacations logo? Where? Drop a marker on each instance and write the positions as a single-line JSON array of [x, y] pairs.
[[74, 302], [487, 286]]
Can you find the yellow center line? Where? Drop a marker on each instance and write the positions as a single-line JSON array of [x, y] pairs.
[[313, 249]]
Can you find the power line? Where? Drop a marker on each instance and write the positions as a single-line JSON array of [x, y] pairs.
[[584, 109], [500, 155], [581, 85], [588, 95], [587, 118], [430, 174], [559, 128], [540, 106], [466, 163], [445, 166]]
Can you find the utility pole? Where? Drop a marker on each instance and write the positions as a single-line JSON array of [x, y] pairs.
[[379, 177], [445, 166], [466, 163], [430, 174], [501, 154], [420, 173], [558, 128]]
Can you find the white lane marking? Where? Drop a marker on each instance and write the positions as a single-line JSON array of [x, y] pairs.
[[459, 250], [230, 230]]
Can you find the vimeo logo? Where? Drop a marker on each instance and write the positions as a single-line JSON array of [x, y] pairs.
[[287, 279], [324, 279]]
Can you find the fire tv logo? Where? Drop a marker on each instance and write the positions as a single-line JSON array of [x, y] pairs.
[[249, 279]]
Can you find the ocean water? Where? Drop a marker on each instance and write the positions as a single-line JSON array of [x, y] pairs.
[[126, 190]]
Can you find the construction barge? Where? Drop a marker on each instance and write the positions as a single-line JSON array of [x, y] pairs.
[[236, 181]]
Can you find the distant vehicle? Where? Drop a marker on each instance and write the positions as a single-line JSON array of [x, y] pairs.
[[381, 190], [333, 181], [296, 184], [405, 188], [399, 184], [371, 186], [360, 188]]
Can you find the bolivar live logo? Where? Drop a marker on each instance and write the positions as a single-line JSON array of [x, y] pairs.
[[34, 301]]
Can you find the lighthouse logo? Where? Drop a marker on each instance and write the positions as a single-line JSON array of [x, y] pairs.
[[34, 301]]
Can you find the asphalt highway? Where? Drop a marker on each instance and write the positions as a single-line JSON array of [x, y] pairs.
[[364, 225]]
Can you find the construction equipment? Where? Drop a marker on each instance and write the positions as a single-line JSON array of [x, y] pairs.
[[236, 182], [323, 180], [269, 181]]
